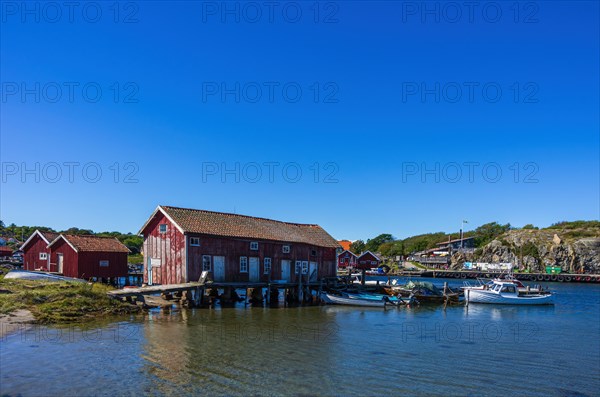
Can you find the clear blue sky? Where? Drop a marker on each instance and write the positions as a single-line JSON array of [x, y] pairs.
[[375, 124]]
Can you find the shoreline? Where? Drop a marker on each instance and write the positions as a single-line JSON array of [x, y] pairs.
[[15, 321]]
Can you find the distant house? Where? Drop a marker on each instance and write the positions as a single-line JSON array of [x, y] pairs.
[[465, 242], [347, 258], [5, 252], [88, 257], [36, 254], [179, 243], [368, 260], [345, 244]]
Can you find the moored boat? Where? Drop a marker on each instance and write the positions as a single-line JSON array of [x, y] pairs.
[[40, 276], [505, 293], [356, 301]]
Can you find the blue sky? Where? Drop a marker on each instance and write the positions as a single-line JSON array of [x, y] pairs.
[[408, 110]]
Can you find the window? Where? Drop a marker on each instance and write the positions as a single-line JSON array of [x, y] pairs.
[[243, 264], [254, 246], [162, 228], [103, 263], [373, 262], [43, 256], [304, 267], [195, 241], [298, 266], [267, 265], [313, 252], [285, 249], [206, 263]]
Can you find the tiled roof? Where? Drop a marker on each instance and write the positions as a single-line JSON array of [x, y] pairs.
[[85, 243], [455, 240], [242, 226], [50, 236], [345, 244]]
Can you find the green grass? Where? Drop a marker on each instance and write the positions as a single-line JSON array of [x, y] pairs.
[[52, 302], [137, 258]]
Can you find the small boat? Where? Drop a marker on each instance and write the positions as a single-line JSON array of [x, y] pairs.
[[379, 297], [523, 289], [505, 293], [348, 301], [40, 276], [423, 291]]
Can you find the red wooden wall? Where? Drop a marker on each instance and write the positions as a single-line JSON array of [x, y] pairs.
[[31, 255]]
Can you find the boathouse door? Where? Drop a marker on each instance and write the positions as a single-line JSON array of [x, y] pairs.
[[285, 270], [149, 271], [254, 269], [313, 272], [59, 263], [219, 268]]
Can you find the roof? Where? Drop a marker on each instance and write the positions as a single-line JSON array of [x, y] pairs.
[[86, 243], [345, 244], [349, 252], [242, 226], [4, 248], [48, 237], [369, 252], [455, 240]]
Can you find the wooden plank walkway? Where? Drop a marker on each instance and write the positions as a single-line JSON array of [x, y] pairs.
[[155, 289]]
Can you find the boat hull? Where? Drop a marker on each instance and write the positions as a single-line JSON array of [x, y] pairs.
[[39, 276], [484, 296], [340, 300]]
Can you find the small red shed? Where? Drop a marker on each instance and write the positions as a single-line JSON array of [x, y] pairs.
[[347, 258], [5, 252], [36, 254], [88, 257], [368, 260]]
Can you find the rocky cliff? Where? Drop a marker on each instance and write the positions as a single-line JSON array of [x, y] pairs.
[[575, 251]]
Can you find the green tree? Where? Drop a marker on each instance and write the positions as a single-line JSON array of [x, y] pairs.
[[374, 243], [488, 232], [357, 247]]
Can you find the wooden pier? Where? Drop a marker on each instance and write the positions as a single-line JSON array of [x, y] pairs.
[[203, 293], [547, 277]]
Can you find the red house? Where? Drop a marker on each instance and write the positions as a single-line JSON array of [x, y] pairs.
[[88, 256], [368, 260], [180, 243], [346, 259], [5, 252], [36, 254]]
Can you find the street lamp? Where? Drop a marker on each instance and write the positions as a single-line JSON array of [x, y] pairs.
[[462, 225]]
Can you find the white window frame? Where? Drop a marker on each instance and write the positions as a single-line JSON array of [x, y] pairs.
[[204, 267], [243, 264], [267, 266], [254, 245], [43, 256], [104, 263], [193, 239], [298, 267], [286, 249], [160, 228], [304, 267]]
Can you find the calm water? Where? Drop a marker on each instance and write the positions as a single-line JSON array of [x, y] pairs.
[[479, 350]]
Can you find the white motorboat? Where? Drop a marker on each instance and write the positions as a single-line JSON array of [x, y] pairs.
[[41, 276], [522, 288], [505, 293]]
